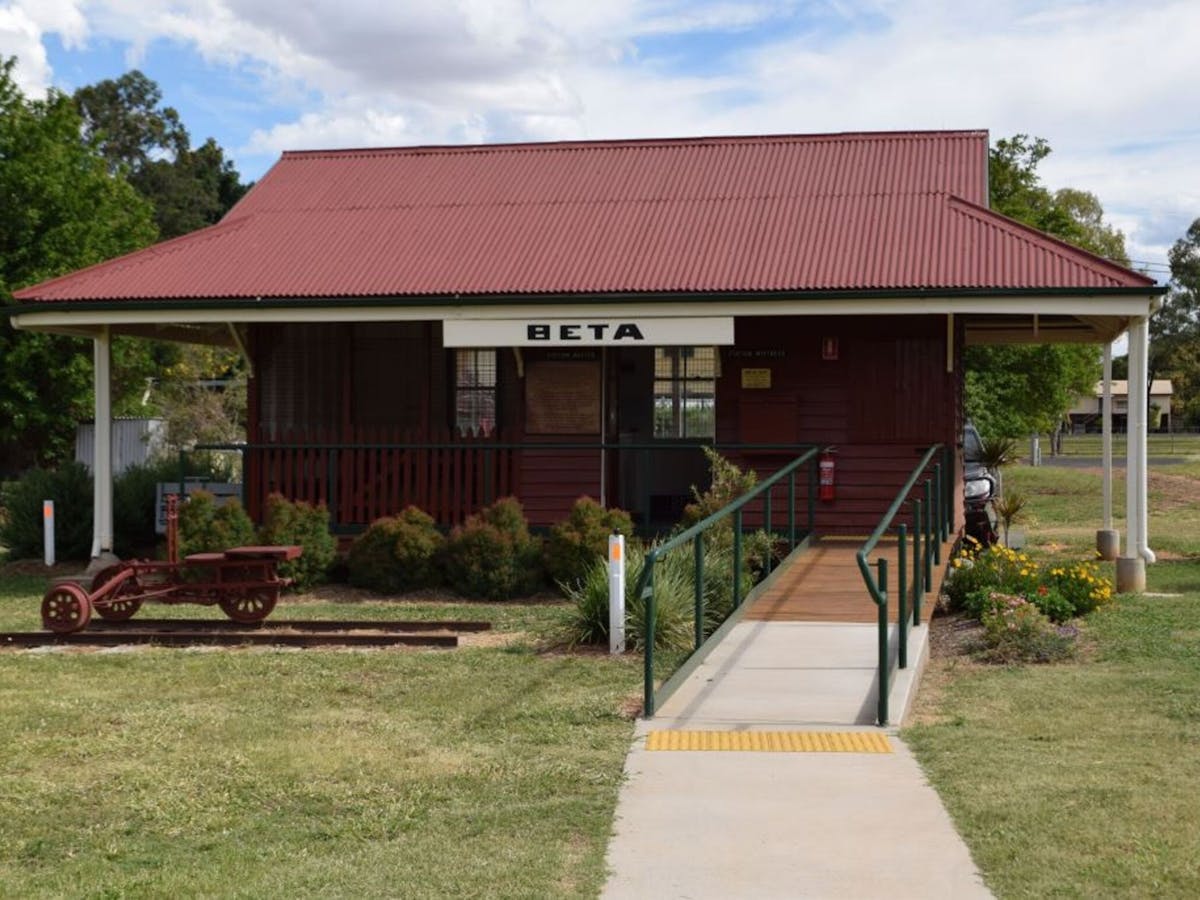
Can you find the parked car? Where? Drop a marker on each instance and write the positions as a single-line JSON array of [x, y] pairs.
[[979, 489]]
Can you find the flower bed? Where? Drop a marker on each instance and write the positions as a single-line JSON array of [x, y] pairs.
[[1023, 605]]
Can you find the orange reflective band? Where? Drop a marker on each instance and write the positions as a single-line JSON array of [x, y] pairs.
[[47, 510], [616, 552]]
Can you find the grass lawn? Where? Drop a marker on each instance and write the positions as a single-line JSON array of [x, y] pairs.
[[487, 771], [1092, 444], [1082, 779]]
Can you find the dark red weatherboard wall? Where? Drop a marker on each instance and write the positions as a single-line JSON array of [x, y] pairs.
[[875, 389]]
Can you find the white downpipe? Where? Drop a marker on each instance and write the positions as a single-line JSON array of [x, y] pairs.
[[1140, 333], [102, 478], [1106, 419]]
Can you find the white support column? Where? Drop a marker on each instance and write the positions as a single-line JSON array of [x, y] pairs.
[[1131, 568], [1108, 539], [102, 515]]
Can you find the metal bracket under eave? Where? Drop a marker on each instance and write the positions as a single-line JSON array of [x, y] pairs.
[[241, 345]]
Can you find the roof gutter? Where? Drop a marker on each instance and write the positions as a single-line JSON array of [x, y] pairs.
[[559, 299]]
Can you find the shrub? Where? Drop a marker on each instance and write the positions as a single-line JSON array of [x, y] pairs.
[[134, 494], [727, 483], [307, 526], [22, 530], [1014, 630], [576, 543], [205, 527], [492, 555], [1081, 585], [989, 568], [397, 553]]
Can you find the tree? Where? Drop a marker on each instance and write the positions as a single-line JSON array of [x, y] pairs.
[[60, 210], [1012, 390], [1175, 328], [148, 143]]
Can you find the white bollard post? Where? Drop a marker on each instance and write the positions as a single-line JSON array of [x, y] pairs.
[[616, 593], [48, 530]]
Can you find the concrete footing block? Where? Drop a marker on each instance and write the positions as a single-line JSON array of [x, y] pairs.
[[1131, 575], [1108, 543]]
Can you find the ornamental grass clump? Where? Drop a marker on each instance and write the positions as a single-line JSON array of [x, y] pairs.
[[674, 605]]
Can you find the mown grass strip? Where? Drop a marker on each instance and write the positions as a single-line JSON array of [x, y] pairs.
[[485, 771]]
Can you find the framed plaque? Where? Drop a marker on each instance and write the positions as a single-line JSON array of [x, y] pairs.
[[562, 397]]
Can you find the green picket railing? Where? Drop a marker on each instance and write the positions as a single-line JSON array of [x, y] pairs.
[[644, 589], [932, 523]]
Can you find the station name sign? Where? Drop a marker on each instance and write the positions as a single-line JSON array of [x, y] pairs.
[[593, 332]]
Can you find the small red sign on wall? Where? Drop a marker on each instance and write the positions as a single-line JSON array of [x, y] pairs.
[[829, 348]]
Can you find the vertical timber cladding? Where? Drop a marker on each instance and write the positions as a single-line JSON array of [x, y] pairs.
[[562, 404], [885, 398]]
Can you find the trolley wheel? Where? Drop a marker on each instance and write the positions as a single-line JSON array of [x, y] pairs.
[[121, 605], [65, 608], [251, 606]]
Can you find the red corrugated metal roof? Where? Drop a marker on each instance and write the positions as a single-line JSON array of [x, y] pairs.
[[886, 211]]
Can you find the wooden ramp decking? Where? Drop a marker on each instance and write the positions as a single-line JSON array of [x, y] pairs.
[[823, 584]]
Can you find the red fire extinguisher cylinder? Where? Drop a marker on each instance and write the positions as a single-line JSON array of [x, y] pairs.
[[827, 471]]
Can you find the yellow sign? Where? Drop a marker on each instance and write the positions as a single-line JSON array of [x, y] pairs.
[[756, 379]]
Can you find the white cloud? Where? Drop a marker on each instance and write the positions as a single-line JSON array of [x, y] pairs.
[[1107, 82]]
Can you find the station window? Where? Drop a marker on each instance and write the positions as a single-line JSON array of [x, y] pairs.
[[685, 392], [475, 392]]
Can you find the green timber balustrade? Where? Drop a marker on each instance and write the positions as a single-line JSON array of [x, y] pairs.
[[695, 535], [932, 523]]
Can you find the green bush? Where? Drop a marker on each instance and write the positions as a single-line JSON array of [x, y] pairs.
[[134, 495], [492, 555], [205, 527], [22, 529], [728, 483], [575, 544], [1081, 585], [307, 526], [995, 568], [1016, 631], [397, 553]]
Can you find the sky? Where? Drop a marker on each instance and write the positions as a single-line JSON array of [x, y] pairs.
[[1112, 86]]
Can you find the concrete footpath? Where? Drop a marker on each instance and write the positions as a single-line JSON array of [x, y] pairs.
[[760, 824]]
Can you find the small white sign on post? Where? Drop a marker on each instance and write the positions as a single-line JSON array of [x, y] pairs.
[[616, 593], [48, 530]]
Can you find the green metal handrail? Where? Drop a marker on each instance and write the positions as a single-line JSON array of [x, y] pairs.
[[645, 583], [932, 522]]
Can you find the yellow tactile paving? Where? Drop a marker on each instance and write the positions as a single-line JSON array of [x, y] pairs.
[[772, 741]]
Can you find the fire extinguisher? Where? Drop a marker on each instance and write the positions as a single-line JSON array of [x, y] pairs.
[[827, 469]]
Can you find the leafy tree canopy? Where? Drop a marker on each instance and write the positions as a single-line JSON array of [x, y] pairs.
[[85, 178], [146, 141], [1175, 328], [1012, 390], [61, 211]]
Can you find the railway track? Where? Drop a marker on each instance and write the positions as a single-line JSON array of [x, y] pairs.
[[389, 626], [277, 633]]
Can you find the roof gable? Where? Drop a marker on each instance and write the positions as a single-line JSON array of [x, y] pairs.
[[852, 212]]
